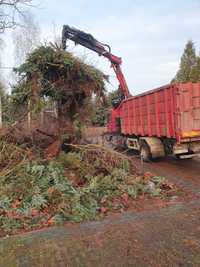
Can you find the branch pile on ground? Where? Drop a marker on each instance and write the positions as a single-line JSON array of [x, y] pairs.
[[105, 159], [10, 156], [79, 186]]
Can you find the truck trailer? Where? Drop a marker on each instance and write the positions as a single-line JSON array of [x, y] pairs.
[[159, 122]]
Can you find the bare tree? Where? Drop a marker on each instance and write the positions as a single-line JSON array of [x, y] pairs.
[[1, 49], [10, 11], [26, 38]]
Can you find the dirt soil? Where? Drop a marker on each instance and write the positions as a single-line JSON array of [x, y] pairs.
[[164, 236]]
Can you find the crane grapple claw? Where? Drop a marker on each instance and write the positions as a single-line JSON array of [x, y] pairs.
[[77, 36], [88, 41]]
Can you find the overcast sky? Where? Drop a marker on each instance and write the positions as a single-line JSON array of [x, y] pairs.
[[149, 35]]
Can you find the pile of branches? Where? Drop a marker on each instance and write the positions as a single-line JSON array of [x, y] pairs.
[[83, 185]]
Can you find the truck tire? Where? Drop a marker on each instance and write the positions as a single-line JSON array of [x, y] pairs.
[[145, 152]]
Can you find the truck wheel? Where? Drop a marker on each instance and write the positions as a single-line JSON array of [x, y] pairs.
[[145, 152]]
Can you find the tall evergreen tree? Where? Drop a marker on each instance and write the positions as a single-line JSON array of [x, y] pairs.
[[195, 73], [188, 62], [1, 89]]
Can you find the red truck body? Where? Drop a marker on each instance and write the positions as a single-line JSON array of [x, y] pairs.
[[171, 111]]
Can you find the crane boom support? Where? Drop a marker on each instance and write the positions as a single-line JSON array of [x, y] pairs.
[[88, 41]]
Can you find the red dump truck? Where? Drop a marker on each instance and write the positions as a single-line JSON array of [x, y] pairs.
[[159, 122]]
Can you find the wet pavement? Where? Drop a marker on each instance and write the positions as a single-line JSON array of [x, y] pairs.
[[185, 173]]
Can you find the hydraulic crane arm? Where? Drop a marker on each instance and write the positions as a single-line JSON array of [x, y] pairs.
[[88, 41]]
